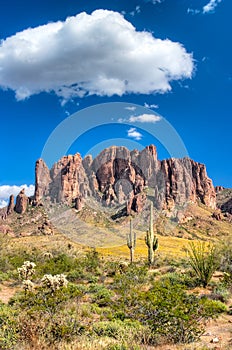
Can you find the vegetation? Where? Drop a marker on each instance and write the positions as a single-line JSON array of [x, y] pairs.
[[131, 242], [82, 300], [150, 239], [204, 260]]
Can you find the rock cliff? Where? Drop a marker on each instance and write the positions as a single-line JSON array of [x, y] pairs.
[[118, 176], [21, 202]]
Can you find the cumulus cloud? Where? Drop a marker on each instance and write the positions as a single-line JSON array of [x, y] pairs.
[[3, 203], [134, 134], [7, 190], [210, 7], [101, 53], [145, 118]]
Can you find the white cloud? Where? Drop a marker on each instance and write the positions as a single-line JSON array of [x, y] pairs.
[[134, 134], [154, 2], [136, 11], [131, 108], [3, 203], [210, 7], [193, 11], [100, 54], [145, 118], [7, 190], [150, 106]]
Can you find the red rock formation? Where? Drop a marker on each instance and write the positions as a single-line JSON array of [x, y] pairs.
[[186, 180], [117, 175], [21, 202], [42, 181], [219, 189], [10, 207]]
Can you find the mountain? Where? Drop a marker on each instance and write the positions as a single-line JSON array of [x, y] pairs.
[[118, 176], [89, 198]]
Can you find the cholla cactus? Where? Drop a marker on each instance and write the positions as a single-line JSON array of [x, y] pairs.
[[28, 286], [150, 239], [54, 282], [26, 270], [131, 242]]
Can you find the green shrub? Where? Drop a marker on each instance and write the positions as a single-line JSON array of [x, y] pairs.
[[212, 308], [8, 327], [101, 295], [117, 347], [184, 279], [127, 331], [171, 313], [92, 261], [221, 292], [61, 263]]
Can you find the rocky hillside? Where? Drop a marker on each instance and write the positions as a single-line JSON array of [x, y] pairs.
[[224, 199]]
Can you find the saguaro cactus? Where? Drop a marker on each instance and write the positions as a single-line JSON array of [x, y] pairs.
[[150, 239], [131, 242]]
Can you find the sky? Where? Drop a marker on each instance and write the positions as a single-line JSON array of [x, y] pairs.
[[163, 62]]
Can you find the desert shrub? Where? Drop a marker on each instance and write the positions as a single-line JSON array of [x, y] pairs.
[[171, 313], [185, 279], [126, 331], [101, 295], [92, 261], [204, 260], [212, 308], [76, 275], [221, 292], [117, 347], [45, 300], [8, 327], [61, 326], [227, 280], [131, 277], [61, 263], [225, 250], [4, 276]]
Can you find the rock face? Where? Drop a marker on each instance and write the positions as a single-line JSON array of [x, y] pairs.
[[224, 200], [42, 181], [118, 176], [10, 207], [21, 202]]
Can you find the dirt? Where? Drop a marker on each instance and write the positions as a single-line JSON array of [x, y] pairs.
[[6, 292]]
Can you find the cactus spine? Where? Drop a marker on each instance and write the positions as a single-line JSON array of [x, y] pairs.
[[131, 242], [151, 240]]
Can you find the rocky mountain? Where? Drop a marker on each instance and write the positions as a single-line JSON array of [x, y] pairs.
[[224, 199], [119, 176], [95, 197]]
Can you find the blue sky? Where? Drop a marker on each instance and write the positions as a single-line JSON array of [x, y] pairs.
[[59, 57]]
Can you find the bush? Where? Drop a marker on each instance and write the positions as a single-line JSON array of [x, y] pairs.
[[127, 331], [204, 260], [171, 313], [184, 279], [213, 308], [8, 327], [101, 295], [61, 263]]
